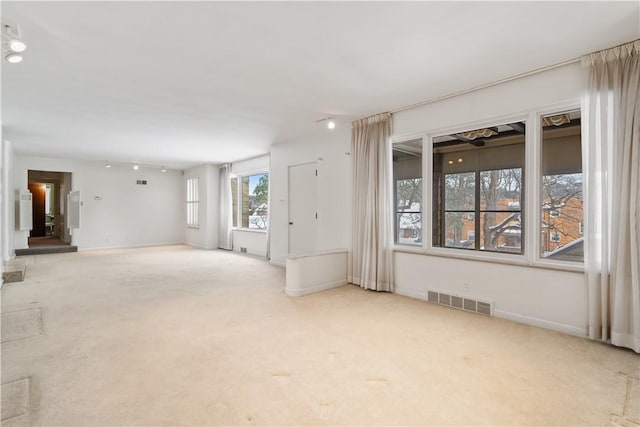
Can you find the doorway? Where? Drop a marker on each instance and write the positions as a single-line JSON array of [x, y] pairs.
[[303, 214], [48, 190]]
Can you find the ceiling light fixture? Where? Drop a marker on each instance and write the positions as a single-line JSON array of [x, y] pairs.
[[13, 58], [136, 167], [108, 165], [17, 45], [331, 124], [13, 44], [164, 169]]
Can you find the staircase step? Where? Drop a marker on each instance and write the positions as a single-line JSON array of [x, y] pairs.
[[47, 250]]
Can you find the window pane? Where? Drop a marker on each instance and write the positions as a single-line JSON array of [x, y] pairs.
[[501, 232], [409, 228], [500, 189], [255, 200], [561, 199], [474, 172], [460, 193], [407, 175], [234, 200], [458, 228], [192, 202]]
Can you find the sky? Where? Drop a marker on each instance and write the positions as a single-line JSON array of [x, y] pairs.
[[253, 182]]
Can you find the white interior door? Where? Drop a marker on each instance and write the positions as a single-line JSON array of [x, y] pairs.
[[302, 208]]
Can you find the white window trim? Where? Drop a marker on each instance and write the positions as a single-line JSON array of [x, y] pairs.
[[532, 198]]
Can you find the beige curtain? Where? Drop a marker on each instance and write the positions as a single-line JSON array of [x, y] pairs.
[[372, 256], [612, 186], [225, 229]]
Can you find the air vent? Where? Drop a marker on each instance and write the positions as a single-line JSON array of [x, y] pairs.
[[444, 299], [141, 182], [243, 250], [455, 301], [470, 304], [432, 297], [484, 308]]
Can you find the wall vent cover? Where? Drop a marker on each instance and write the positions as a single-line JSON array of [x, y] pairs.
[[141, 182], [462, 303], [432, 297]]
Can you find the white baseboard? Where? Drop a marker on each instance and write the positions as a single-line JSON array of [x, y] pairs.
[[278, 263], [410, 293], [146, 245], [516, 317], [541, 323], [314, 289]]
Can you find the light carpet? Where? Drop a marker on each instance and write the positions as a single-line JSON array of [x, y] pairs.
[[180, 336]]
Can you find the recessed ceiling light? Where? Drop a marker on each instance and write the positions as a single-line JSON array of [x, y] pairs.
[[17, 45], [460, 160], [331, 124], [136, 167], [13, 58], [164, 169]]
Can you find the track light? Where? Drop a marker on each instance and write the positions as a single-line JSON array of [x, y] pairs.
[[330, 123], [17, 45], [13, 58], [13, 45]]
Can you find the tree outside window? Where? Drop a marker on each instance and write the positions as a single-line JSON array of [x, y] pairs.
[[255, 201]]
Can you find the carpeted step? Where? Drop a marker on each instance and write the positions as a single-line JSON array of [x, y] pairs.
[[46, 250]]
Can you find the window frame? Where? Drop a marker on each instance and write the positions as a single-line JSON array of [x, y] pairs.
[[531, 191], [238, 217], [193, 203]]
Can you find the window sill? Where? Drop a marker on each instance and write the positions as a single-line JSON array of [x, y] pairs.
[[517, 260], [250, 230]]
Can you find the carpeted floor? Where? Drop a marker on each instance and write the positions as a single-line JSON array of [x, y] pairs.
[[179, 336]]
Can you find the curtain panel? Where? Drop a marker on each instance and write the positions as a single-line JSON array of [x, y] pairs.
[[371, 255], [225, 229], [611, 146]]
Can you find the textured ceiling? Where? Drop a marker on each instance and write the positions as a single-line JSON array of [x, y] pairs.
[[183, 83]]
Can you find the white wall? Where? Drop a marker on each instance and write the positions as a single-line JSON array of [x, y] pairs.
[[331, 151], [7, 209], [549, 298], [255, 242], [115, 212], [206, 236]]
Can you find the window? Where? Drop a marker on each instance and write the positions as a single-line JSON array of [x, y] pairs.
[[254, 201], [561, 198], [407, 176], [477, 189], [193, 202]]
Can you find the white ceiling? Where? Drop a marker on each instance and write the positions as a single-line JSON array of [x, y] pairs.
[[187, 83]]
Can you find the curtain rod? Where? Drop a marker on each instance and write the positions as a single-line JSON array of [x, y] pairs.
[[486, 85]]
